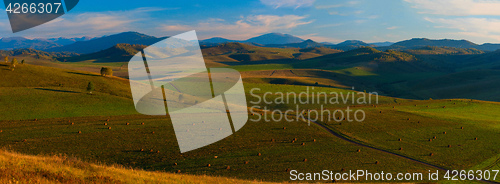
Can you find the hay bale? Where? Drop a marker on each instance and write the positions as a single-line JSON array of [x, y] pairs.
[[109, 128], [342, 170], [431, 154], [151, 150], [25, 140], [400, 148], [295, 139], [314, 140], [435, 137], [158, 151], [303, 144], [284, 128], [399, 139], [142, 149], [178, 171], [272, 140], [475, 138], [444, 132], [216, 157], [462, 128], [449, 146], [259, 154], [305, 160], [142, 123], [377, 162], [430, 140], [227, 168], [359, 150], [1, 130], [175, 163], [127, 124], [444, 107], [152, 132], [72, 123], [105, 123], [287, 169], [380, 112], [246, 162], [107, 120], [79, 132], [408, 119]]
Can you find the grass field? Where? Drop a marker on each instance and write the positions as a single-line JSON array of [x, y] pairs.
[[19, 168], [104, 127]]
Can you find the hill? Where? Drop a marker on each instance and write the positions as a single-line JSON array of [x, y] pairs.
[[19, 168], [117, 53], [434, 50], [275, 38], [31, 92], [305, 44], [20, 42], [416, 43], [231, 53], [32, 53], [98, 44], [421, 42], [366, 54], [216, 40], [266, 39], [382, 44]]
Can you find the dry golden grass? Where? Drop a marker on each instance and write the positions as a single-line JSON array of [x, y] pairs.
[[19, 168]]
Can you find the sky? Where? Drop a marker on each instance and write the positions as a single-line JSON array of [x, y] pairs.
[[320, 20]]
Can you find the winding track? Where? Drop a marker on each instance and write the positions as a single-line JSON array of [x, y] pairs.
[[381, 150]]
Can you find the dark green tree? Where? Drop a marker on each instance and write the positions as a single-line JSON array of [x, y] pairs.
[[105, 71], [90, 87]]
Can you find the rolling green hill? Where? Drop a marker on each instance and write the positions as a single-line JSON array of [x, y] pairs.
[[104, 127], [36, 92]]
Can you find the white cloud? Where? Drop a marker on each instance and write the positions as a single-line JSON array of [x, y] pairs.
[[485, 28], [347, 4], [244, 28], [329, 25], [457, 7], [392, 27], [288, 3], [88, 24]]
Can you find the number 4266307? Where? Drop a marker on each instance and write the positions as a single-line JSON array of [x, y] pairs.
[[24, 8]]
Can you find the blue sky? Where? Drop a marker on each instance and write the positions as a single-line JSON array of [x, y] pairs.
[[321, 20]]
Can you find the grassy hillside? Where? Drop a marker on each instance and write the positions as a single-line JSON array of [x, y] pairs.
[[124, 140], [19, 168], [36, 92], [229, 53]]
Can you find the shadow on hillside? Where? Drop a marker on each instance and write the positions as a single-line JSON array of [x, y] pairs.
[[87, 74], [56, 90]]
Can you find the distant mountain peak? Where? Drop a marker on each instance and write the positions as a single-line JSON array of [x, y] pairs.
[[275, 38]]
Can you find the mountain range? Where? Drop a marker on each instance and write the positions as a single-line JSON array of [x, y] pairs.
[[86, 45]]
